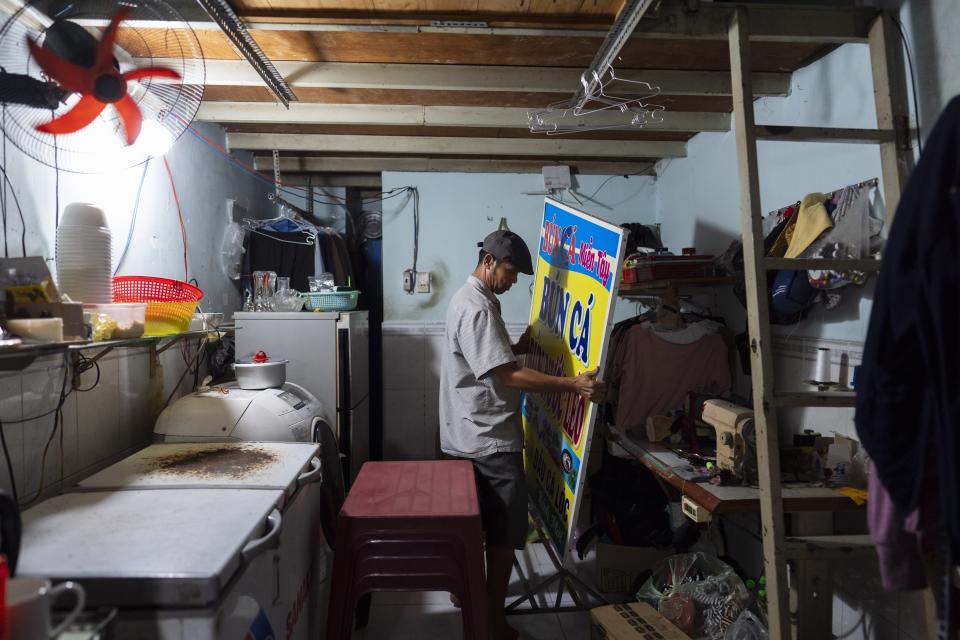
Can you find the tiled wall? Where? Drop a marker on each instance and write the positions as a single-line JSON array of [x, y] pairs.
[[411, 382], [114, 418]]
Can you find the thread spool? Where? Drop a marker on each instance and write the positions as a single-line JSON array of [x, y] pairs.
[[823, 369]]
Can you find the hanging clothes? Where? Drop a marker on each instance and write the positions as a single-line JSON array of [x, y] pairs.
[[289, 254], [657, 375], [907, 395]]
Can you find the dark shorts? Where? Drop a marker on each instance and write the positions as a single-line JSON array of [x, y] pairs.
[[502, 492]]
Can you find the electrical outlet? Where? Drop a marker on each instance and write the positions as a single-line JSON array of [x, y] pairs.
[[408, 281], [423, 282]]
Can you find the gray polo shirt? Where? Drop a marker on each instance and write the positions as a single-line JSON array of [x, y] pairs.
[[479, 416]]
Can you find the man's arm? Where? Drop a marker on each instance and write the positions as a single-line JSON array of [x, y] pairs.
[[523, 344], [525, 379]]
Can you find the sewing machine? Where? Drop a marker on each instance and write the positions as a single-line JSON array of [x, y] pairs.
[[736, 437]]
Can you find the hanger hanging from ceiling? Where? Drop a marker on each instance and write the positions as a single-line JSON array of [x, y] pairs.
[[599, 107]]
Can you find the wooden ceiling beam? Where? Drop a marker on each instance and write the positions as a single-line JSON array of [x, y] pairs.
[[768, 23], [400, 115], [435, 145], [445, 77], [360, 179], [355, 165]]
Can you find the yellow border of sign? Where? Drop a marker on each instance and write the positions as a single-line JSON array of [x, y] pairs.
[[544, 475]]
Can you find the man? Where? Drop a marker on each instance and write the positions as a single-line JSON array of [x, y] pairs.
[[480, 385]]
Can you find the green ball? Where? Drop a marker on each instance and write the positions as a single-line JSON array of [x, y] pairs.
[[762, 593], [751, 584], [709, 465], [763, 580]]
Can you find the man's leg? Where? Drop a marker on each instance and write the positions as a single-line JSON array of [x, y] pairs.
[[502, 490], [499, 568]]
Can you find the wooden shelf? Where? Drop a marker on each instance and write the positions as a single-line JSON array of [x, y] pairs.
[[823, 134], [829, 547], [657, 287], [803, 264], [815, 398], [678, 473]]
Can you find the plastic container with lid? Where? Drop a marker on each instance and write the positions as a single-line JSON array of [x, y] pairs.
[[129, 317]]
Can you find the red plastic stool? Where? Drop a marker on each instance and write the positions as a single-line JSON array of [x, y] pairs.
[[410, 526]]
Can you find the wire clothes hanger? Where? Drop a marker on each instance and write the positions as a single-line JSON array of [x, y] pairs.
[[288, 213], [601, 104]]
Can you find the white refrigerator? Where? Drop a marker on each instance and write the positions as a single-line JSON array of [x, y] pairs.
[[198, 541], [329, 357]]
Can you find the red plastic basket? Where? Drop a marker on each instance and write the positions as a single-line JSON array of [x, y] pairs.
[[170, 303]]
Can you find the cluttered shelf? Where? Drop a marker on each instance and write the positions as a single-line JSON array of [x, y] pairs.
[[19, 356], [683, 476], [657, 287]]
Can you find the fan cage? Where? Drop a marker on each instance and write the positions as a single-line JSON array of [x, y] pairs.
[[155, 34]]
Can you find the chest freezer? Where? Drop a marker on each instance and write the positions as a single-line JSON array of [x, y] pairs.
[[200, 541]]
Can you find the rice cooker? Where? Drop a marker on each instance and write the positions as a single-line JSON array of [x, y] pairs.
[[226, 412]]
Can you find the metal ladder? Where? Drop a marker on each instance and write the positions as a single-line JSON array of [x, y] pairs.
[[892, 135]]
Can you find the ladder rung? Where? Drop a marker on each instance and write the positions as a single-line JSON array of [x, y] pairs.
[[828, 547], [823, 134], [814, 399], [803, 264]]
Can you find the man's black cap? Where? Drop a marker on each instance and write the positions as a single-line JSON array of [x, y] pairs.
[[506, 245]]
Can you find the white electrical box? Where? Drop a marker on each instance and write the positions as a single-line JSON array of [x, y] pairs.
[[694, 511], [423, 282], [408, 280], [556, 177]]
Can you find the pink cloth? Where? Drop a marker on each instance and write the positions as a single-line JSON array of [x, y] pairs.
[[656, 375], [900, 539]]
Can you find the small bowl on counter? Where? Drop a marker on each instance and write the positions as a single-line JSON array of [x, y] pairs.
[[117, 320]]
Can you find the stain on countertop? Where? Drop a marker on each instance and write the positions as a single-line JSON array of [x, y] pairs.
[[231, 461]]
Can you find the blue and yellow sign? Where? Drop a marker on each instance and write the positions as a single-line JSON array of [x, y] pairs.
[[575, 287]]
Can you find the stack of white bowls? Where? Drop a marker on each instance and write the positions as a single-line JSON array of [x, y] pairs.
[[84, 254]]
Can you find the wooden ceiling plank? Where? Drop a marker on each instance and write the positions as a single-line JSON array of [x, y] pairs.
[[443, 98], [769, 23], [376, 165], [432, 145], [306, 113], [465, 132], [475, 78], [495, 50]]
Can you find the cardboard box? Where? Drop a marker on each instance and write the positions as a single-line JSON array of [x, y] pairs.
[[618, 566], [632, 621], [71, 312]]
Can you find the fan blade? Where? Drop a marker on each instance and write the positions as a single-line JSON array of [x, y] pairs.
[[105, 49], [130, 114], [66, 74], [82, 114], [151, 72]]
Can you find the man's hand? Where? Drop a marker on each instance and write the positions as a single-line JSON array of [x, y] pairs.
[[523, 344], [587, 385]]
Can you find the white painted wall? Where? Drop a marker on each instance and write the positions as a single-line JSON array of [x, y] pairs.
[[116, 416], [456, 212], [459, 210]]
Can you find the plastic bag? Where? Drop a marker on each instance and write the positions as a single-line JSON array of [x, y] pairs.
[[231, 250], [698, 593], [747, 627]]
